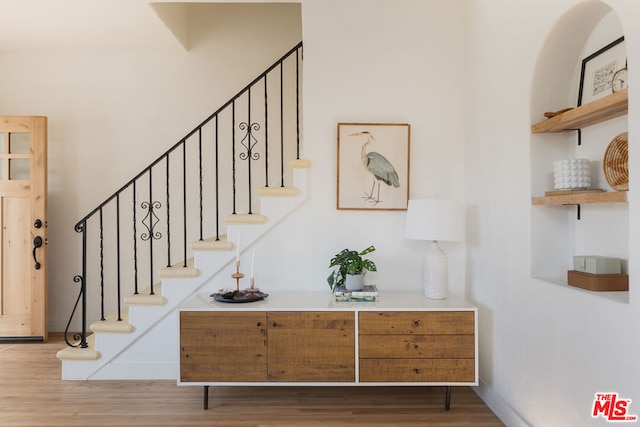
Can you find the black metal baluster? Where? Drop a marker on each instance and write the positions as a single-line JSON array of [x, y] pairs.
[[184, 202], [101, 267], [200, 181], [298, 101], [83, 342], [249, 147], [281, 125], [233, 154], [151, 290], [266, 134], [118, 256], [217, 173], [168, 217], [135, 243]]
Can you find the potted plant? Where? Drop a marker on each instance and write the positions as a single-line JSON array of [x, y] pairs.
[[350, 268]]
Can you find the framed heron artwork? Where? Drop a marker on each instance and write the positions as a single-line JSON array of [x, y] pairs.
[[373, 166]]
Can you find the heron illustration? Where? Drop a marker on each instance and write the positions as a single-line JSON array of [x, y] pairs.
[[378, 166]]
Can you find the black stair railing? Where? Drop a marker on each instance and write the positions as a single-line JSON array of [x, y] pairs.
[[180, 197]]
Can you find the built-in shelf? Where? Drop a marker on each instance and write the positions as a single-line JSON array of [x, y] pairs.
[[583, 198], [606, 108]]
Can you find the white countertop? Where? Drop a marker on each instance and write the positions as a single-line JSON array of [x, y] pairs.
[[323, 301]]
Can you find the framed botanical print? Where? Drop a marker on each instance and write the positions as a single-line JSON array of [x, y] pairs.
[[373, 166]]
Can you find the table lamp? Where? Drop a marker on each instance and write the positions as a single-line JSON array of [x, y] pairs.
[[435, 219]]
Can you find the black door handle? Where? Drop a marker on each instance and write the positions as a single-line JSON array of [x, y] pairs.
[[37, 242]]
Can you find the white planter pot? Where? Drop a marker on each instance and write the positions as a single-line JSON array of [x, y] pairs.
[[354, 282]]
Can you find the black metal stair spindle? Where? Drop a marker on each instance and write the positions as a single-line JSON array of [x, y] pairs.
[[135, 243], [80, 227], [249, 148], [151, 290], [281, 126], [200, 180], [101, 267], [119, 282], [168, 216], [233, 154], [217, 186], [184, 203], [298, 51], [83, 286], [266, 134]]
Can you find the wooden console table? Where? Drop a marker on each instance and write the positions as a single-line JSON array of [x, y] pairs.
[[303, 339]]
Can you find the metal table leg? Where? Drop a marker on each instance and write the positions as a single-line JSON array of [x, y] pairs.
[[447, 397], [206, 397]]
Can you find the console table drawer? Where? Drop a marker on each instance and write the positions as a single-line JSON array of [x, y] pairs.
[[417, 346], [417, 370], [417, 322]]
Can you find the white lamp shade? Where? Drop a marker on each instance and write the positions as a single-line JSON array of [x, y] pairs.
[[434, 219]]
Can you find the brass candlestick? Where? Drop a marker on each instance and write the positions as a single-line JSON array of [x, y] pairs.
[[237, 275]]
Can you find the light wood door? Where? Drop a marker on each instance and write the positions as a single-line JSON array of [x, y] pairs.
[[23, 205]]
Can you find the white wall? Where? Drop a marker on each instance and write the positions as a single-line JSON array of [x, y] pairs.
[[114, 110], [545, 349], [375, 61]]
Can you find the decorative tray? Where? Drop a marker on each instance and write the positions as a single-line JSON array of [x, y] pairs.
[[239, 297]]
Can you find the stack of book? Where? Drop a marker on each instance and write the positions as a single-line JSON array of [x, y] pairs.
[[368, 294]]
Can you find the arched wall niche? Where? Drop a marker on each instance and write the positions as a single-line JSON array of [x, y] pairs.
[[555, 79], [556, 233]]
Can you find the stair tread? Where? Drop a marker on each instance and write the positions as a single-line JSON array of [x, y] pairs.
[[178, 270], [255, 218], [77, 353], [300, 163], [278, 191], [111, 324], [213, 244]]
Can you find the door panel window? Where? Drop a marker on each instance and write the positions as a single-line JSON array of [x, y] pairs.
[[19, 143], [19, 169]]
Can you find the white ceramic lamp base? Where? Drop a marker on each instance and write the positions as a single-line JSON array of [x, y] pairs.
[[435, 273]]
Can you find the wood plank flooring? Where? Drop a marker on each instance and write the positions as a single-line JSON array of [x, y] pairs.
[[32, 394]]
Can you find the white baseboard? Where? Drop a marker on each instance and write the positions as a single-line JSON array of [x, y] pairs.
[[501, 408], [138, 371]]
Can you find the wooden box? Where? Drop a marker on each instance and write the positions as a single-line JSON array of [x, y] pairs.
[[597, 264], [598, 282]]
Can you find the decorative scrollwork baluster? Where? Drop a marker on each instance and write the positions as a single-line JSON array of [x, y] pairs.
[[150, 221], [249, 142]]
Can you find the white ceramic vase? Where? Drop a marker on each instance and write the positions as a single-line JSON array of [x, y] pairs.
[[354, 282]]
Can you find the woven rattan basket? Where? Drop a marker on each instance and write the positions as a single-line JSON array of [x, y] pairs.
[[616, 162]]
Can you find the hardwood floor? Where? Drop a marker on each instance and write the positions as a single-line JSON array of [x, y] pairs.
[[32, 394]]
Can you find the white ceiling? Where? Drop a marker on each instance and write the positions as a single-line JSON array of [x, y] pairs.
[[96, 25]]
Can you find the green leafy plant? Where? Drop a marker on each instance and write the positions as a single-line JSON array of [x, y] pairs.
[[349, 262]]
